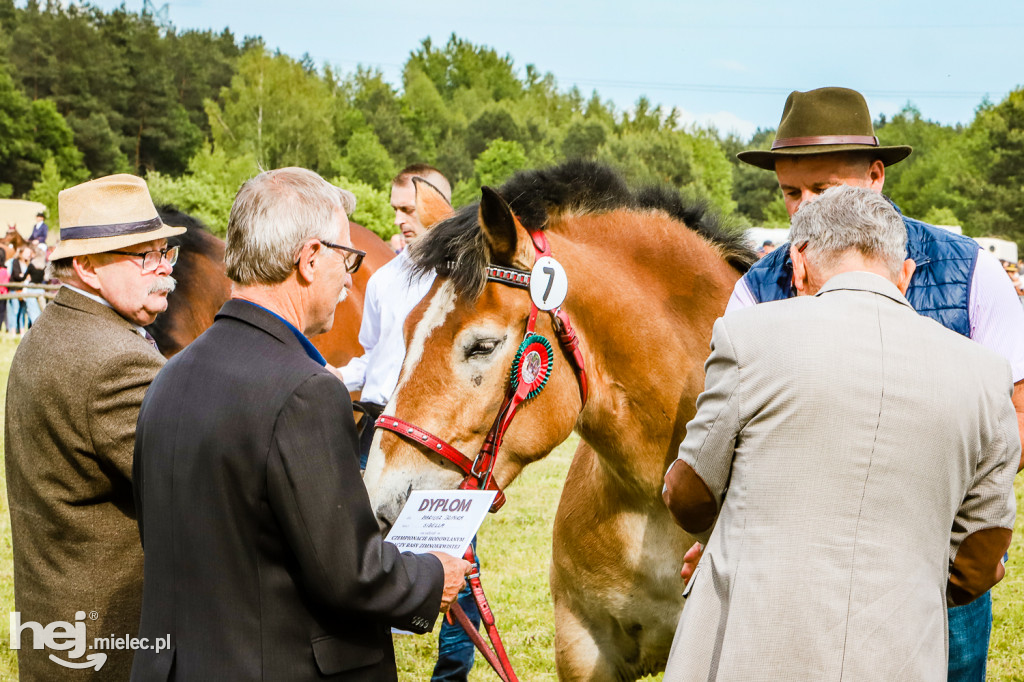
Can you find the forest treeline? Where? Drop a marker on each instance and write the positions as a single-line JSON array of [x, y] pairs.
[[86, 92]]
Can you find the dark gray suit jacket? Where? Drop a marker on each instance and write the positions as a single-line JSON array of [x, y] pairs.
[[263, 559]]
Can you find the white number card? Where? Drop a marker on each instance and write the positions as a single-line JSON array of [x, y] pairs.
[[548, 283]]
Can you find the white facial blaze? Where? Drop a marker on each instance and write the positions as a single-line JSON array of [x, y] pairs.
[[388, 486], [437, 312]]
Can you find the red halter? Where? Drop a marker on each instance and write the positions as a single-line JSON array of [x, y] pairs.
[[478, 471]]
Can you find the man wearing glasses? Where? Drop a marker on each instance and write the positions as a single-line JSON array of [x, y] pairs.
[[391, 294], [73, 396], [264, 560]]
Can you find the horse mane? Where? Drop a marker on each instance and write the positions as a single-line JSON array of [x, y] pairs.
[[196, 239], [196, 230], [455, 248]]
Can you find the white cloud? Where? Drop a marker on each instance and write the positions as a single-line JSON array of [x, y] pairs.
[[731, 65], [724, 122]]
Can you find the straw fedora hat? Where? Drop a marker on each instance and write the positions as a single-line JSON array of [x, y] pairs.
[[107, 214], [823, 121]]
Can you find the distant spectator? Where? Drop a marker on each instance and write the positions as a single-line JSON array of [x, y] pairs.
[[397, 243], [5, 276], [1012, 272], [767, 247], [27, 310], [40, 230]]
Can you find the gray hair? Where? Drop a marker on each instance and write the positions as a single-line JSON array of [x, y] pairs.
[[61, 269], [845, 219], [273, 216]]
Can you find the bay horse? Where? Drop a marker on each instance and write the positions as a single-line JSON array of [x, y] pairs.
[[12, 242], [648, 274], [203, 288]]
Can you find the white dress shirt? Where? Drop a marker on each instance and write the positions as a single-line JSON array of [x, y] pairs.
[[391, 294]]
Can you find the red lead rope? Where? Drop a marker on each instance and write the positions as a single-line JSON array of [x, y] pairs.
[[498, 659]]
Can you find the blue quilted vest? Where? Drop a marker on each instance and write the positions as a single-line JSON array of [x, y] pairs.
[[940, 287]]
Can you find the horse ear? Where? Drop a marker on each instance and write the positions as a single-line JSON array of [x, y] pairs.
[[431, 206], [507, 241]]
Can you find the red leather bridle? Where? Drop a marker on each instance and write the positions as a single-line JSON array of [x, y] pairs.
[[479, 471]]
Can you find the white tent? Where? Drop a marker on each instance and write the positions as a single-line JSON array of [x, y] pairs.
[[756, 236], [1003, 249], [21, 214]]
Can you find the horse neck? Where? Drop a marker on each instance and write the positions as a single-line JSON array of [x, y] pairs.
[[643, 307]]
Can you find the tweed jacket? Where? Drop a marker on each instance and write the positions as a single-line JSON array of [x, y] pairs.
[[264, 560], [857, 460], [73, 396]]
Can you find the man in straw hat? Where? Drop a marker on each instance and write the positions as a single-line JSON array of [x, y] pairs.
[[825, 138], [73, 397]]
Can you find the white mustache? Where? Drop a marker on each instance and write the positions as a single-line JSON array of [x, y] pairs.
[[344, 295], [163, 284]]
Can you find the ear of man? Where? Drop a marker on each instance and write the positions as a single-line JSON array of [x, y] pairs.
[[85, 271], [799, 270], [309, 257], [876, 175], [906, 272]]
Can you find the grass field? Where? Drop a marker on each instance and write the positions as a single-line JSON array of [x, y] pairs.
[[515, 545]]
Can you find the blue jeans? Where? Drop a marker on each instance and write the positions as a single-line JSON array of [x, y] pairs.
[[27, 310], [455, 649], [13, 309], [969, 629]]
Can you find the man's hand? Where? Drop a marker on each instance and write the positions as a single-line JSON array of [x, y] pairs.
[[690, 560], [455, 572]]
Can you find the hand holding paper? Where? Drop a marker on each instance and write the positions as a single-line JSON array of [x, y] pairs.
[[455, 572]]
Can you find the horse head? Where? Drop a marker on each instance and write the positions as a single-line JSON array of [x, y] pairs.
[[646, 274], [462, 341]]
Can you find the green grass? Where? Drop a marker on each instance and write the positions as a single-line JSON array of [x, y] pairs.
[[515, 545]]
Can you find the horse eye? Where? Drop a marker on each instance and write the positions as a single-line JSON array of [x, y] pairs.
[[482, 347]]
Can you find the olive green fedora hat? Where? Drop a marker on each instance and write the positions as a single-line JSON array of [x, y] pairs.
[[823, 121]]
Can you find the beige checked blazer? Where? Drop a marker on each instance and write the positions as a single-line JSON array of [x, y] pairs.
[[73, 397], [857, 460]]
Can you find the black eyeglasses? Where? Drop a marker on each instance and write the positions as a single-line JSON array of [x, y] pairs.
[[151, 259], [353, 257]]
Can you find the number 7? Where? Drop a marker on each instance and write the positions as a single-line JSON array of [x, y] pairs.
[[550, 272]]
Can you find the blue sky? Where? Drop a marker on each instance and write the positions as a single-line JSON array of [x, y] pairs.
[[730, 63]]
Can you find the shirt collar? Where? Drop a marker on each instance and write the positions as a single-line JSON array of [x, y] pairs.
[[307, 345], [864, 281]]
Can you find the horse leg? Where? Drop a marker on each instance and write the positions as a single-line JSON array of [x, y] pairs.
[[614, 577], [577, 654]]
